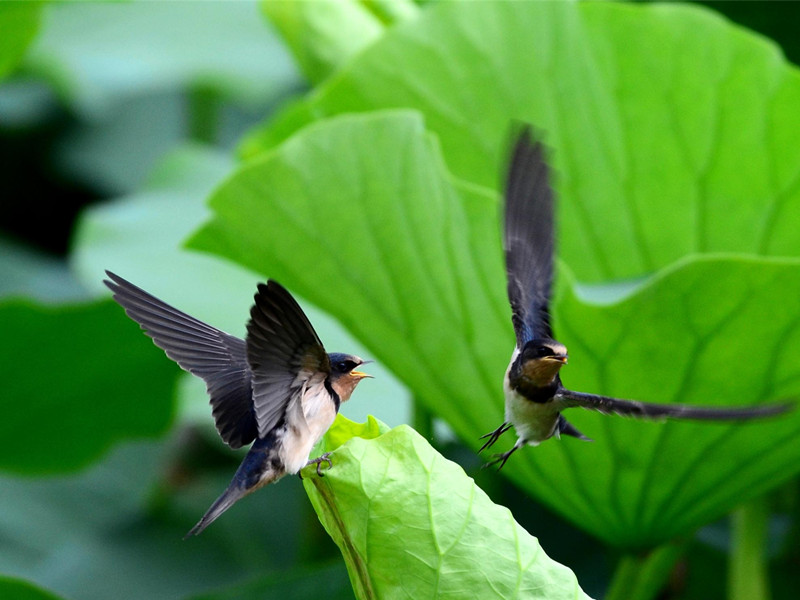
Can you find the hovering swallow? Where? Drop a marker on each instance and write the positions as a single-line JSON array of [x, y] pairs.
[[534, 395], [277, 388]]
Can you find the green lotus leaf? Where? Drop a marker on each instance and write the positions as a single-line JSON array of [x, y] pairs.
[[673, 130], [411, 524]]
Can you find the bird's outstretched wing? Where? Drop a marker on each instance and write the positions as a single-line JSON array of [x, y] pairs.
[[634, 408], [528, 238], [284, 352], [213, 355]]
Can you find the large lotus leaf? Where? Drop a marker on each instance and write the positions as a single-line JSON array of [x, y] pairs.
[[675, 131], [358, 214], [411, 524], [19, 22]]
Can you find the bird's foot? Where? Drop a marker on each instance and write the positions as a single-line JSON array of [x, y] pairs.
[[494, 436], [319, 460], [501, 458]]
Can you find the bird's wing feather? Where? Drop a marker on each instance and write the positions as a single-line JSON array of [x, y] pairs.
[[528, 239], [213, 355], [634, 408], [284, 353]]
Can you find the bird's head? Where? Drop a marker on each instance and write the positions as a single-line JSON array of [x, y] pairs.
[[541, 359], [344, 377]]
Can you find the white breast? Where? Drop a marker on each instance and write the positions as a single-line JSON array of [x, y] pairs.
[[306, 423], [534, 422]]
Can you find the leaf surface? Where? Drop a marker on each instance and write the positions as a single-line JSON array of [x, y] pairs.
[[411, 524], [673, 131]]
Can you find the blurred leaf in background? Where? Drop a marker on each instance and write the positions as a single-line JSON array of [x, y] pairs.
[[66, 412], [22, 590], [19, 22]]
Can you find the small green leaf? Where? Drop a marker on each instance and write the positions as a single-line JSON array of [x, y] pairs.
[[411, 524]]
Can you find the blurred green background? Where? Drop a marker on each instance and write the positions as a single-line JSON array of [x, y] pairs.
[[117, 122]]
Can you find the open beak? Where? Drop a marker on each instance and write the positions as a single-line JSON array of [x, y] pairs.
[[360, 375], [562, 358]]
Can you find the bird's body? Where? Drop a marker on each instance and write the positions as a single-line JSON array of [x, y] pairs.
[[278, 388], [534, 421], [534, 394]]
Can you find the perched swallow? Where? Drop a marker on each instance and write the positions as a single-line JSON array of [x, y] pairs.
[[277, 388], [534, 395]]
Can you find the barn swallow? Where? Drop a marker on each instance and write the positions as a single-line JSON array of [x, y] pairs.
[[534, 395], [277, 388]]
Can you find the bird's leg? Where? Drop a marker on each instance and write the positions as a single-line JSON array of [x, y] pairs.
[[502, 458], [319, 460], [494, 436]]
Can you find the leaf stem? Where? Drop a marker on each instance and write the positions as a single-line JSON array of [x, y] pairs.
[[747, 573], [641, 577]]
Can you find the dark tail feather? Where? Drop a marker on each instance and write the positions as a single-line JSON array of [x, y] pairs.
[[568, 428], [261, 466], [221, 504]]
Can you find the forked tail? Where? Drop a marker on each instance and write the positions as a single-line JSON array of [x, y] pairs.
[[221, 504], [260, 467]]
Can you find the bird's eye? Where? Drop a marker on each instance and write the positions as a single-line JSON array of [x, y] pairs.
[[348, 365], [544, 351]]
